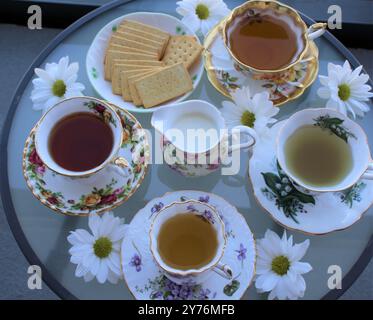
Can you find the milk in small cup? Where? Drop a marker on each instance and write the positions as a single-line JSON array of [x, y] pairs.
[[194, 138]]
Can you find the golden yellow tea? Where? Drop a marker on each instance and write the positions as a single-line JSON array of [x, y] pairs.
[[264, 40], [187, 241], [317, 156]]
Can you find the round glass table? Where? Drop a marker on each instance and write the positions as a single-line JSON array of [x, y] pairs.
[[41, 233]]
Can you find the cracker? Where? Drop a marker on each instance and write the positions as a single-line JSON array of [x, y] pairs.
[[154, 63], [125, 84], [143, 27], [136, 44], [149, 41], [114, 54], [118, 47], [164, 85], [182, 49], [123, 65], [143, 33], [116, 85]]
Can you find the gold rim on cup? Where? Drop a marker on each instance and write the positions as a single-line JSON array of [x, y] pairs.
[[103, 164], [276, 6], [185, 272]]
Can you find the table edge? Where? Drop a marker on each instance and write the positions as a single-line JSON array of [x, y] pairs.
[[12, 219]]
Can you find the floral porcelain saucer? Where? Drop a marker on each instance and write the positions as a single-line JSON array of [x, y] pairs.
[[226, 76], [96, 53], [101, 192], [313, 214], [146, 281]]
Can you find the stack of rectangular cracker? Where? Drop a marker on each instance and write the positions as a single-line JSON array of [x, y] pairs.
[[148, 66]]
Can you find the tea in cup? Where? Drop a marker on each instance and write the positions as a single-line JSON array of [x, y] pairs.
[[322, 150], [79, 137], [268, 37], [187, 240]]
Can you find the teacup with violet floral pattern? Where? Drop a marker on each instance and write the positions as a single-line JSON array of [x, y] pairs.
[[209, 215], [74, 105]]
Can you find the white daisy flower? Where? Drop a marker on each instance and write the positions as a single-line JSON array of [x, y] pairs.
[[55, 82], [346, 90], [278, 267], [98, 254], [202, 15], [255, 111]]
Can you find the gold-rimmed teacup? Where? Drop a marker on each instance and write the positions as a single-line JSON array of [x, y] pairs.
[[254, 8], [70, 106], [210, 215]]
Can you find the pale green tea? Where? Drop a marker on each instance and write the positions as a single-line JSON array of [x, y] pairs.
[[317, 156]]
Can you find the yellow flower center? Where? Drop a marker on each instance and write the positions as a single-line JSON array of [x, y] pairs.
[[248, 119], [102, 247], [202, 11], [280, 265], [59, 88], [344, 91]]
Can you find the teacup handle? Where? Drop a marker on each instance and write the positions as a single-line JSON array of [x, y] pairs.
[[121, 165], [249, 132], [224, 271], [368, 174], [316, 30]]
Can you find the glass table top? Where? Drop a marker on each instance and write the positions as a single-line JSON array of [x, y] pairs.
[[46, 231]]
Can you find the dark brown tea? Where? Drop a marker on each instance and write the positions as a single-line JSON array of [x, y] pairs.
[[187, 241], [264, 41], [80, 141]]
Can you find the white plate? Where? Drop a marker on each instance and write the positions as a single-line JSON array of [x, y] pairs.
[[96, 53]]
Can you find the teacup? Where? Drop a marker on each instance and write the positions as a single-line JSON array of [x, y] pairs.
[[210, 215], [341, 126], [183, 123], [76, 105], [253, 9]]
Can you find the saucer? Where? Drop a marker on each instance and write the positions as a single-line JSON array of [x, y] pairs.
[[226, 76], [144, 278], [96, 53], [312, 214], [101, 192]]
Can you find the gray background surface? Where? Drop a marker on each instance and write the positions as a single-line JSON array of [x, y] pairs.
[[18, 48]]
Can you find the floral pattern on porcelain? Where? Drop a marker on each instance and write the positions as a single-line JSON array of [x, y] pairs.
[[82, 196], [147, 281], [279, 86], [226, 75], [313, 213], [184, 166], [101, 111]]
